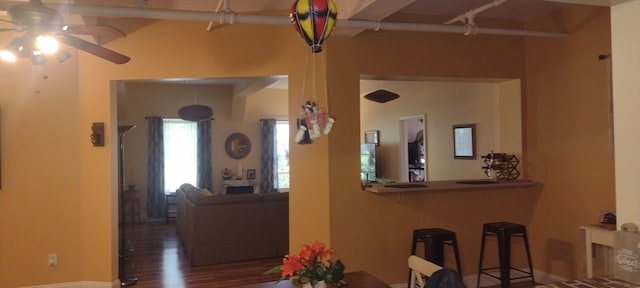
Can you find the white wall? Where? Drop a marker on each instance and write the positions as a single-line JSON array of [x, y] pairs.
[[445, 104], [508, 135], [625, 41]]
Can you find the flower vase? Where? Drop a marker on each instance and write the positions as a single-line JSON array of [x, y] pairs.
[[320, 284]]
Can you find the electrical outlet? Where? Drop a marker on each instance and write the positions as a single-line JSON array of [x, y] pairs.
[[53, 260]]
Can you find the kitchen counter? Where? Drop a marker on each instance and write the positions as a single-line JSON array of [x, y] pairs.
[[449, 185]]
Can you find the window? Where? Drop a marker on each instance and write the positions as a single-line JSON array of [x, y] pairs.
[[282, 155], [180, 153]]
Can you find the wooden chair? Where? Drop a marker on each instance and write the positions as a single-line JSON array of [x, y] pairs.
[[419, 269]]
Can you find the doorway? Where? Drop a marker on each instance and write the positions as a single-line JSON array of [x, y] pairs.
[[413, 163]]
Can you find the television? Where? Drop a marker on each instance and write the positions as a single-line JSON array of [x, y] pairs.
[[368, 162]]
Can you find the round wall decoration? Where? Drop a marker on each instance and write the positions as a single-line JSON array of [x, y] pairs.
[[237, 146]]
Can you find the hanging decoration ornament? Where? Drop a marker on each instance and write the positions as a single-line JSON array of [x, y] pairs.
[[314, 20], [313, 124]]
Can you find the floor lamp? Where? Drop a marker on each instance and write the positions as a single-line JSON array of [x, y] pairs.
[[122, 264]]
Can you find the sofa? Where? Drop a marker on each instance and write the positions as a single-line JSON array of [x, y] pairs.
[[217, 229]]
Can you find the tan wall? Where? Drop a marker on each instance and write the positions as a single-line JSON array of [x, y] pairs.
[[567, 137], [370, 232], [563, 73], [373, 232], [40, 198]]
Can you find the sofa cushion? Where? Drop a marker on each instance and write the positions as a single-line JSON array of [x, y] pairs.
[[206, 192]]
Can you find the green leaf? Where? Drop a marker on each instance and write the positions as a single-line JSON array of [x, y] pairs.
[[273, 270]]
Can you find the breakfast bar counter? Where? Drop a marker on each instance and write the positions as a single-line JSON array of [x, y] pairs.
[[449, 185]]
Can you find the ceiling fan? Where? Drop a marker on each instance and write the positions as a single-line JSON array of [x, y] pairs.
[[38, 21]]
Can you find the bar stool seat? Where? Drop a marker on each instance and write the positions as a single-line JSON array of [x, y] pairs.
[[434, 240], [504, 231]]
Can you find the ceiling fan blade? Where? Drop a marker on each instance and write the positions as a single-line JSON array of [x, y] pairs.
[[94, 49], [95, 30]]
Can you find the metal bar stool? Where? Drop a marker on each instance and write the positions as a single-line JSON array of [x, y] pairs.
[[504, 231], [434, 240]]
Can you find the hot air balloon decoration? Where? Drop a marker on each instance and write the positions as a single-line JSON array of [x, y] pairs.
[[313, 124], [314, 20]]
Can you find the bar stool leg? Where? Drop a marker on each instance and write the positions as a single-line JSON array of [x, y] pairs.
[[456, 253], [484, 235], [414, 244], [526, 246], [504, 252]]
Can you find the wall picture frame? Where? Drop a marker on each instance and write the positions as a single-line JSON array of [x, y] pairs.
[[372, 137], [464, 141], [251, 174]]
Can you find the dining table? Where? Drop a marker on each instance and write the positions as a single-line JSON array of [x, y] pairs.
[[358, 279]]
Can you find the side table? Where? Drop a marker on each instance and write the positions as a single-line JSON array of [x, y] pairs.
[[597, 234]]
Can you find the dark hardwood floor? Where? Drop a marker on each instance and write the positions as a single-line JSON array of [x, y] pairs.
[[160, 262]]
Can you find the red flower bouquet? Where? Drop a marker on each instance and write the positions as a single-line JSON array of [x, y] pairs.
[[311, 265]]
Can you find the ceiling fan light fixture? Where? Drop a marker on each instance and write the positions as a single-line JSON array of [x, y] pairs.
[[38, 58], [381, 96], [10, 54], [47, 44], [195, 112], [62, 56]]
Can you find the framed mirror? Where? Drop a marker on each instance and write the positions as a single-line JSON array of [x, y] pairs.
[[237, 146], [464, 141]]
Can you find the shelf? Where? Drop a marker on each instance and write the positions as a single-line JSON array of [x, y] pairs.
[[449, 185]]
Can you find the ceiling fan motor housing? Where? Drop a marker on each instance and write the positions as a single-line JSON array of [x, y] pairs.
[[34, 16], [35, 19]]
